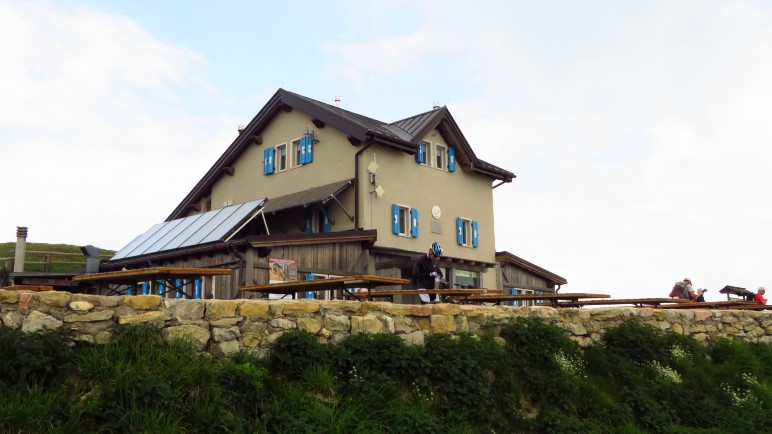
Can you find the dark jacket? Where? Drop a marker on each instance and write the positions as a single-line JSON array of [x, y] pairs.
[[421, 273]]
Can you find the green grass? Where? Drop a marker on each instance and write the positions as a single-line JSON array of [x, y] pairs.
[[637, 380], [70, 254]]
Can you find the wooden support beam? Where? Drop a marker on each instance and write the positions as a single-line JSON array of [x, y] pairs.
[[230, 170], [256, 140], [354, 141], [317, 123]]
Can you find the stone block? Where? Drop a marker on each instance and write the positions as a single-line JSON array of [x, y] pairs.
[[198, 336], [226, 322], [8, 297], [217, 309], [311, 325], [81, 306], [221, 334], [100, 315], [226, 349], [283, 323], [421, 310], [255, 309], [414, 338], [55, 298], [143, 318], [300, 307], [446, 309], [442, 324], [37, 321], [366, 324], [188, 309], [142, 302], [337, 323]]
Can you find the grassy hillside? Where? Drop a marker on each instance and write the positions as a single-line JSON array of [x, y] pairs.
[[66, 257], [636, 380]]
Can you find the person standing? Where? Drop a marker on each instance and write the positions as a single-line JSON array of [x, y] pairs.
[[426, 273], [759, 299]]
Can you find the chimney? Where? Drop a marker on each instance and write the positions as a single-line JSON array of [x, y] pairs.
[[337, 101], [436, 105], [93, 258], [241, 129], [21, 249]]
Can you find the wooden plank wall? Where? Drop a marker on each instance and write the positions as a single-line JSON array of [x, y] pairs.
[[513, 277]]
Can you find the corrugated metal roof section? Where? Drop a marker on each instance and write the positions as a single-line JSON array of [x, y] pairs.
[[193, 230], [414, 123], [306, 197]]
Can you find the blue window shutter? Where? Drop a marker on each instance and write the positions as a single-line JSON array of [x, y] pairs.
[[460, 230], [309, 221], [475, 240], [420, 154], [268, 161], [414, 222], [326, 224], [451, 160], [309, 139], [394, 218], [309, 294], [302, 145]]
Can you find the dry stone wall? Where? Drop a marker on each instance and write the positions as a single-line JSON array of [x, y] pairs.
[[224, 327]]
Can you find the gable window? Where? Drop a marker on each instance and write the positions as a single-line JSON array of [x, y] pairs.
[[281, 157], [466, 232], [404, 220], [440, 157], [295, 151]]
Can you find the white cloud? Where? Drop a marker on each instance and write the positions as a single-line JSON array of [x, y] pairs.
[[92, 126], [639, 132]]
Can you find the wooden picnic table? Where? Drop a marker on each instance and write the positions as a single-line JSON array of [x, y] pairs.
[[734, 304], [345, 283], [165, 279], [459, 295], [553, 298], [637, 302]]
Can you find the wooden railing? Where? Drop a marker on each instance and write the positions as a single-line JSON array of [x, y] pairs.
[[47, 261]]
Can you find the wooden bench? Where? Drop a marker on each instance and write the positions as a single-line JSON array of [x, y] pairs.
[[714, 305], [553, 298], [448, 295], [29, 288], [637, 302]]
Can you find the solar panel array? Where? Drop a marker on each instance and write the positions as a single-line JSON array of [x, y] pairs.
[[190, 231]]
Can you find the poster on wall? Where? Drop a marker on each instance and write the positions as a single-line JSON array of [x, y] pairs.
[[282, 270]]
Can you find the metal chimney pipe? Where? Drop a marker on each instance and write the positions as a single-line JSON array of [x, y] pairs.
[[21, 249]]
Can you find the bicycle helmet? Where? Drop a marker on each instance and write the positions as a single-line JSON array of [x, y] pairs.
[[436, 249]]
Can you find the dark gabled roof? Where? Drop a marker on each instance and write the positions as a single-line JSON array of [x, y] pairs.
[[508, 258], [402, 135]]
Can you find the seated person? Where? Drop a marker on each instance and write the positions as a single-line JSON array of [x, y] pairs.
[[759, 299]]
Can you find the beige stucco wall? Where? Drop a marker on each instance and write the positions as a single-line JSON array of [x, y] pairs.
[[407, 183]]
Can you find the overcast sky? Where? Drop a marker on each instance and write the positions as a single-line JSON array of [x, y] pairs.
[[639, 131]]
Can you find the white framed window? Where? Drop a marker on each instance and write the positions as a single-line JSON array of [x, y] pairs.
[[427, 161], [281, 157], [440, 156], [404, 220], [467, 232], [295, 151]]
